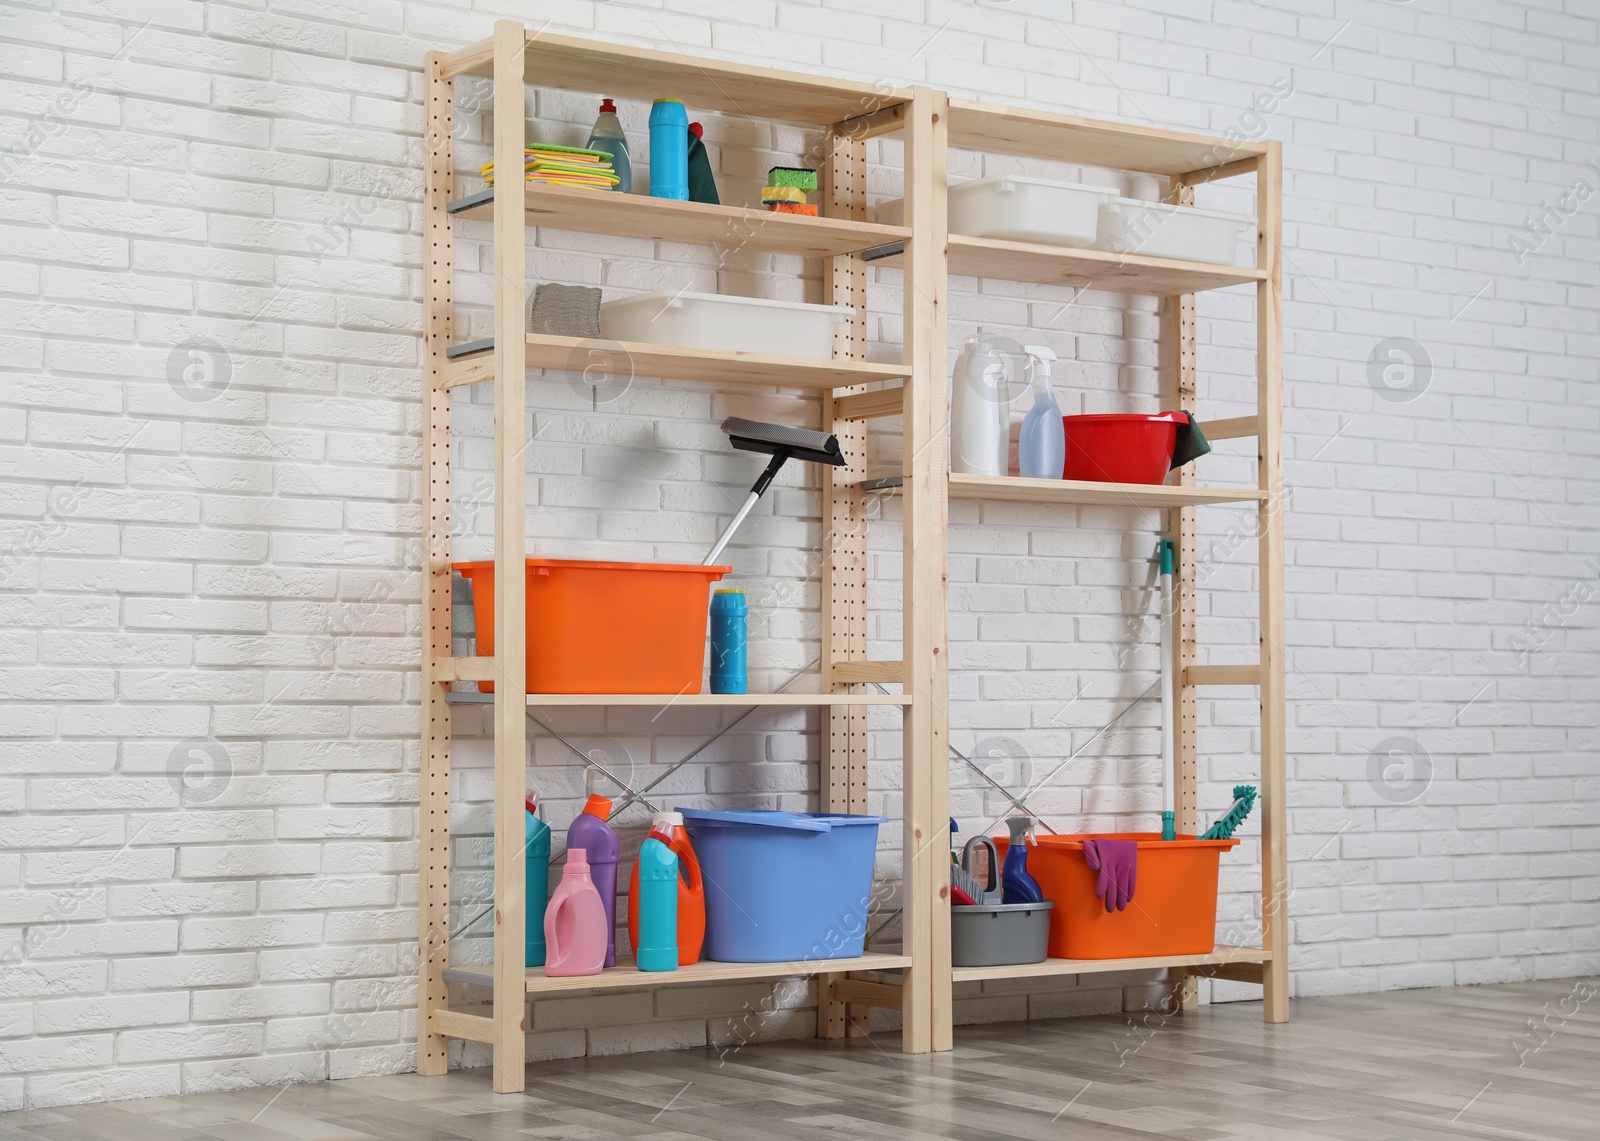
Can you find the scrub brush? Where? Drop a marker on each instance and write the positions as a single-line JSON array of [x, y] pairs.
[[1244, 799]]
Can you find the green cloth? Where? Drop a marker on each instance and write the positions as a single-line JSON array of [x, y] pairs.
[[1191, 443], [702, 187]]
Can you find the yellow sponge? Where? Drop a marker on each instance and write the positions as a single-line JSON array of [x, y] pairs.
[[771, 194]]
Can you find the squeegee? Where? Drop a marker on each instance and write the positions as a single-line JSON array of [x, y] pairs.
[[782, 444]]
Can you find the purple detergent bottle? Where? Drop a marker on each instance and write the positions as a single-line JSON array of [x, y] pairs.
[[1017, 884], [591, 833]]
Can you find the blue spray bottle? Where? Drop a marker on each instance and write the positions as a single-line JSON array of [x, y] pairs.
[[1042, 447], [1018, 885], [658, 904], [536, 847]]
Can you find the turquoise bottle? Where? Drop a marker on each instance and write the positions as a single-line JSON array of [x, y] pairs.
[[669, 150], [536, 847], [658, 905]]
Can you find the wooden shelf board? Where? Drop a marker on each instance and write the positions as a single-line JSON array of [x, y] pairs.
[[1094, 269], [704, 84], [1123, 146], [1098, 966], [627, 977], [666, 219], [731, 699], [1019, 490], [621, 361]]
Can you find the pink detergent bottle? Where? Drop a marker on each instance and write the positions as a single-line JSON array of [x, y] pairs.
[[575, 922]]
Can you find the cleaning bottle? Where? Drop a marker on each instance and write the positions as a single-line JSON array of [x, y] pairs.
[[729, 630], [607, 136], [575, 924], [657, 876], [669, 150], [536, 846], [1042, 450], [980, 414], [599, 843], [691, 890], [702, 186], [1018, 886]]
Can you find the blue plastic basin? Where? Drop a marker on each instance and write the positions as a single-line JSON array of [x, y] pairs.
[[784, 887]]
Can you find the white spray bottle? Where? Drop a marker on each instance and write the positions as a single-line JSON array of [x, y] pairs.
[[1042, 448], [980, 414]]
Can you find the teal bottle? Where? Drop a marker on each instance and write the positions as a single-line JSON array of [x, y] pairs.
[[658, 906], [536, 847], [729, 634]]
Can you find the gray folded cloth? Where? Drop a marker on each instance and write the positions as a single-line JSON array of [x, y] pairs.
[[564, 310]]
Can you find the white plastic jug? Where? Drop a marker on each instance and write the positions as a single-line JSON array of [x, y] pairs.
[[980, 408]]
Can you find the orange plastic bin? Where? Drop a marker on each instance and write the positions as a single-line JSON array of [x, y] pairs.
[[1174, 908], [601, 627]]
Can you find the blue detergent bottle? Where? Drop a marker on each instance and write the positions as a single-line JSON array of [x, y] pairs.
[[536, 847], [1015, 882], [729, 633], [669, 150], [658, 905]]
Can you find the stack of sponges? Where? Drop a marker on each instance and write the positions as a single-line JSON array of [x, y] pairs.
[[563, 166], [786, 190]]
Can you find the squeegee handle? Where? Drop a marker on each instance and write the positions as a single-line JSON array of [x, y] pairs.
[[761, 485]]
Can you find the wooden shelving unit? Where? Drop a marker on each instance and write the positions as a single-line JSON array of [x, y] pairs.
[[1185, 161], [852, 390]]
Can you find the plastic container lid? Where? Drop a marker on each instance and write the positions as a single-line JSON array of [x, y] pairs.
[[678, 101], [607, 107], [767, 818], [599, 806], [1048, 183], [727, 592], [670, 819], [577, 858], [1121, 204]]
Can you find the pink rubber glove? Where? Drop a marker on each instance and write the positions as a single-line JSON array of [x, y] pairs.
[[1117, 863]]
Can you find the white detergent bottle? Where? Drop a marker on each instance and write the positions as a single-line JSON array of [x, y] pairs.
[[980, 415], [1042, 448]]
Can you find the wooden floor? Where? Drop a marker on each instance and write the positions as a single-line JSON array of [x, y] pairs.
[[1412, 1065]]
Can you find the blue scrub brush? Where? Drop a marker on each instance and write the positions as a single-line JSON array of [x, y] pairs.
[[1244, 799]]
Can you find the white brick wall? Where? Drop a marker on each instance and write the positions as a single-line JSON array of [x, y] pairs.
[[208, 625]]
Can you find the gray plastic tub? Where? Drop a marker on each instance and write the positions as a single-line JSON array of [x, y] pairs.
[[999, 934]]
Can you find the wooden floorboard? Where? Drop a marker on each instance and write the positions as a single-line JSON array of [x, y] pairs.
[[1420, 1065]]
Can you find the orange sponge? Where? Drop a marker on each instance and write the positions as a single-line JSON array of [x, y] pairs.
[[805, 208]]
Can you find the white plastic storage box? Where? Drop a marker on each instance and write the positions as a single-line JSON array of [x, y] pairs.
[[1019, 210], [1164, 230], [712, 321]]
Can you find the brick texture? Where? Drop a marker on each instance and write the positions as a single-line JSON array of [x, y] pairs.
[[209, 502]]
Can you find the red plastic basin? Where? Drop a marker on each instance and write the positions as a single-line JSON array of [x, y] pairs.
[[1120, 448]]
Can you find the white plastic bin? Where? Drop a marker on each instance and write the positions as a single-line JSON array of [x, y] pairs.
[[1020, 210], [1164, 230], [712, 321]]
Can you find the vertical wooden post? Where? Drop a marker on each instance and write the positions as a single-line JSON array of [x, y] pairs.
[[433, 872], [1269, 435], [927, 1006], [844, 542], [1178, 345], [510, 589]]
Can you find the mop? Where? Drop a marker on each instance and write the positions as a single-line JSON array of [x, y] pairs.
[[1169, 782], [782, 444]]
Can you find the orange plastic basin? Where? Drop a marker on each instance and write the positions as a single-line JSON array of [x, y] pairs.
[[1174, 908], [599, 627]]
